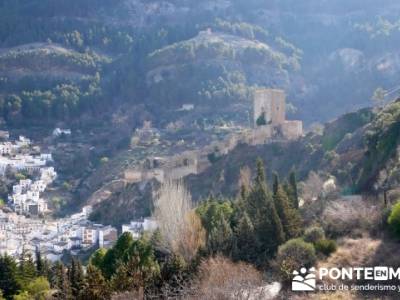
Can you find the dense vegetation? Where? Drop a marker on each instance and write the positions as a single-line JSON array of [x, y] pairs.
[[259, 225], [382, 139], [150, 56]]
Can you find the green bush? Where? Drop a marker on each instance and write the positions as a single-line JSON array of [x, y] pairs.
[[261, 120], [394, 219], [104, 160], [19, 176], [325, 246], [314, 234], [293, 255]]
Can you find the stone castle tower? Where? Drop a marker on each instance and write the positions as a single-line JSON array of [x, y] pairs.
[[269, 117], [269, 103]]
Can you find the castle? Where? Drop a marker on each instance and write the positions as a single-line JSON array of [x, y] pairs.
[[269, 117], [270, 124]]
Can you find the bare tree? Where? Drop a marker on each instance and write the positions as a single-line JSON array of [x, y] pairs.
[[220, 278], [244, 177], [193, 237], [344, 216], [180, 227], [312, 188]]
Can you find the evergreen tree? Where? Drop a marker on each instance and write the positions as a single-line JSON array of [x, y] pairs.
[[121, 280], [288, 215], [96, 287], [141, 263], [39, 262], [238, 211], [46, 269], [156, 241], [76, 278], [275, 183], [9, 284], [213, 211], [42, 265], [293, 195], [59, 281], [26, 268], [220, 238], [244, 193], [174, 266], [97, 257], [262, 211], [245, 245], [111, 259], [260, 177]]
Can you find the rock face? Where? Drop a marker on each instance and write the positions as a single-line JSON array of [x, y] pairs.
[[126, 202]]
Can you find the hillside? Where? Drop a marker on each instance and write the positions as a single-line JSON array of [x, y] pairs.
[[216, 67], [345, 148], [205, 150], [359, 149], [134, 45]]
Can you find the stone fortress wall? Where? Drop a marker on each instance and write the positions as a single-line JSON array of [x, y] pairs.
[[268, 102]]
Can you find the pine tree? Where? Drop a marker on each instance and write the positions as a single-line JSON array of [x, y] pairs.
[[46, 269], [275, 183], [294, 196], [260, 177], [175, 265], [96, 287], [110, 260], [288, 215], [8, 276], [244, 193], [262, 211], [76, 278], [121, 281], [26, 268], [246, 244], [42, 265], [220, 238], [39, 262], [141, 263], [97, 258], [59, 281]]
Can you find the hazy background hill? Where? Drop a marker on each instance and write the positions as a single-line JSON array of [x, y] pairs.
[[65, 58]]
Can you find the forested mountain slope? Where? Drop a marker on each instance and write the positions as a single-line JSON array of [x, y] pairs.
[[328, 56]]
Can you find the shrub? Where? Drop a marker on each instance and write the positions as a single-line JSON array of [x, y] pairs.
[[314, 234], [293, 255], [66, 186], [325, 246], [394, 219], [19, 176], [342, 217], [220, 278], [104, 160]]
